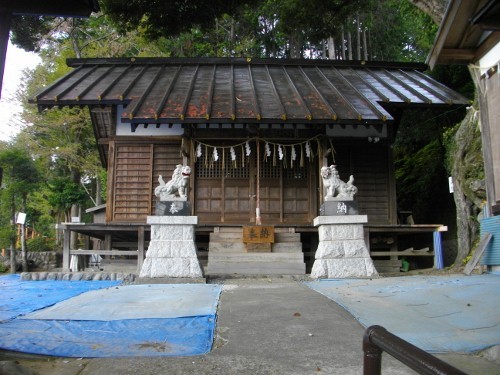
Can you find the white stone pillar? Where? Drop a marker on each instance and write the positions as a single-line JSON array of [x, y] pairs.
[[172, 249], [342, 252]]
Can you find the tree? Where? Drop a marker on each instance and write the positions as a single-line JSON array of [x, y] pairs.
[[159, 18], [20, 179], [434, 8]]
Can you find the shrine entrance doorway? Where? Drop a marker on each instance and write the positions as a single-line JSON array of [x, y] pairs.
[[229, 191]]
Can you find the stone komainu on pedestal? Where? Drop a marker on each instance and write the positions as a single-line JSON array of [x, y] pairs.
[[172, 249], [341, 251]]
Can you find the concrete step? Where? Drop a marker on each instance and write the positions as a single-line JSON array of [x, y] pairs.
[[287, 237], [226, 237], [256, 268], [228, 230], [255, 257], [287, 247], [226, 247]]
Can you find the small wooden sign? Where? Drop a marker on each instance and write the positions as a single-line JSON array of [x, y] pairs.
[[258, 234]]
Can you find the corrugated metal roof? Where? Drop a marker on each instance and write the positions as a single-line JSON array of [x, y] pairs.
[[164, 90]]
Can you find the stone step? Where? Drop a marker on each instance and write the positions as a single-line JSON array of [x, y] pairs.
[[255, 257], [287, 247], [286, 237], [228, 230], [226, 237], [256, 268], [226, 247]]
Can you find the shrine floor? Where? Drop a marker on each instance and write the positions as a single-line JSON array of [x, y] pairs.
[[281, 325]]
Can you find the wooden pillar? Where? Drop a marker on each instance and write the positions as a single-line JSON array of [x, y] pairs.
[[108, 243], [66, 248], [140, 248], [5, 22]]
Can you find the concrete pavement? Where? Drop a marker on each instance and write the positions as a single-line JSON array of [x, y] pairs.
[[265, 326]]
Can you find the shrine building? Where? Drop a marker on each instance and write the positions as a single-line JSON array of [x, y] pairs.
[[255, 134]]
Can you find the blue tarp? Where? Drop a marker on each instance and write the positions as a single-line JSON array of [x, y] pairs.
[[116, 338], [439, 314], [121, 321], [21, 297], [136, 302]]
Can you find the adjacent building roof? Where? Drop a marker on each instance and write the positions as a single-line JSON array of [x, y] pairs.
[[166, 90], [58, 8], [469, 30]]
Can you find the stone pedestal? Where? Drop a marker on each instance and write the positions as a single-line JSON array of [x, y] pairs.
[[342, 252], [172, 250]]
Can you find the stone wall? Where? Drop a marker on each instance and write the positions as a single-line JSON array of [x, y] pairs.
[[37, 260], [77, 276]]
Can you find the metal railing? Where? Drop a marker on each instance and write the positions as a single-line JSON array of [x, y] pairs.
[[377, 340]]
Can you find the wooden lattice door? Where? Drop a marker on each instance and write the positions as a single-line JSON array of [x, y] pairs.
[[228, 194], [223, 192]]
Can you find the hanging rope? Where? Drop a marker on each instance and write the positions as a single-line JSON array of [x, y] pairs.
[[276, 151]]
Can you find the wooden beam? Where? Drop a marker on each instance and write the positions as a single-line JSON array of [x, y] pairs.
[[104, 252], [469, 267]]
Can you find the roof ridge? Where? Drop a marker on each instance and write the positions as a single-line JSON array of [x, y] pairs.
[[244, 61]]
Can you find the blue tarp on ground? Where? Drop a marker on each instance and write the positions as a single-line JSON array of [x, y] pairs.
[[116, 338], [453, 313], [21, 297], [121, 321], [136, 302]]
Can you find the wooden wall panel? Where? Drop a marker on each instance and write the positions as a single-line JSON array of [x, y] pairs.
[[132, 183], [136, 168]]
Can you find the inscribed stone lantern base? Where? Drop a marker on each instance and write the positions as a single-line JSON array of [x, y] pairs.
[[172, 250], [342, 252]]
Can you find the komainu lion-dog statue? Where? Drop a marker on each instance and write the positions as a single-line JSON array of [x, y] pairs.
[[177, 186]]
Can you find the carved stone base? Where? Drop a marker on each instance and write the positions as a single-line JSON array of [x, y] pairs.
[[342, 252], [338, 207], [171, 251], [179, 207]]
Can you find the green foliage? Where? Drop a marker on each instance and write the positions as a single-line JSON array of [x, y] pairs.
[[28, 32], [7, 235], [64, 193], [421, 182], [419, 156], [40, 244], [159, 18], [456, 76], [399, 32]]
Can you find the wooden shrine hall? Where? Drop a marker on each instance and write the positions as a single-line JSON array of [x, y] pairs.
[[255, 134]]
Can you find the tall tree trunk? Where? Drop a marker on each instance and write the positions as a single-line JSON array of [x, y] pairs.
[[342, 43], [231, 38], [13, 262], [434, 8], [468, 204], [295, 47], [365, 49], [331, 48], [23, 237], [358, 38], [349, 46]]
